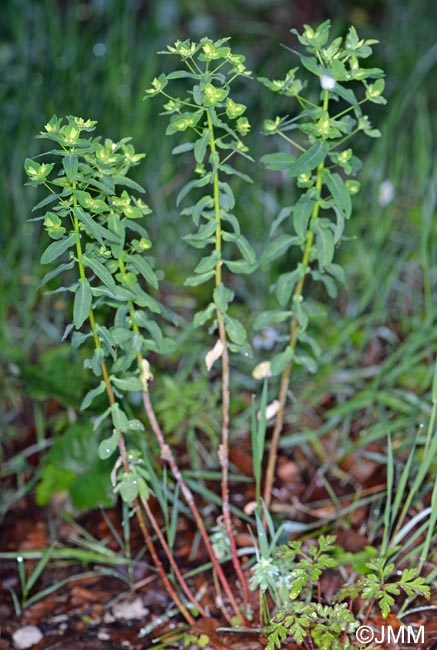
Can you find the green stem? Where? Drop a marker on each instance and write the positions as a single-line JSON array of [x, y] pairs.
[[224, 447], [179, 101], [121, 441], [295, 144], [145, 505], [350, 108], [91, 316], [294, 327], [345, 139]]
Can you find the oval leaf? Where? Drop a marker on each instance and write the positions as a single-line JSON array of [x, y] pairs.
[[108, 446], [129, 488]]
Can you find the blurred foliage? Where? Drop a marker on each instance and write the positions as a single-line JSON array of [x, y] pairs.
[[72, 465], [96, 57]]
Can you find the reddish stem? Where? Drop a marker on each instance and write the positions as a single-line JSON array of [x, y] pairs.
[[185, 588], [224, 458], [166, 454]]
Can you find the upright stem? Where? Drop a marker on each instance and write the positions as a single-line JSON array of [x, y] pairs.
[[123, 455], [294, 327], [224, 447], [171, 559], [167, 455], [144, 502], [157, 562]]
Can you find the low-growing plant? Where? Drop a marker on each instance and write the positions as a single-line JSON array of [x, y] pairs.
[[314, 624], [93, 214]]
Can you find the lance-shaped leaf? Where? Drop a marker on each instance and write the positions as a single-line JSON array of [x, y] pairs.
[[71, 166], [309, 160], [57, 248], [82, 303], [277, 247], [101, 271], [340, 193], [91, 395]]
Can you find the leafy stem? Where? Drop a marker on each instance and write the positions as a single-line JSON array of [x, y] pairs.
[[294, 326], [224, 448]]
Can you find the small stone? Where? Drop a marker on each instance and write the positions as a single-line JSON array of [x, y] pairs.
[[26, 637], [130, 609]]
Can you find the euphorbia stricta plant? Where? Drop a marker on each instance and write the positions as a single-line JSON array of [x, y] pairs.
[[94, 217], [321, 163]]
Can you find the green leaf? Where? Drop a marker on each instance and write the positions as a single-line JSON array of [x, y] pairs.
[[143, 488], [302, 212], [128, 182], [143, 267], [208, 263], [120, 335], [235, 330], [245, 248], [200, 146], [102, 273], [89, 397], [118, 228], [204, 235], [269, 317], [195, 280], [57, 248], [129, 488], [82, 303], [277, 247], [286, 283], [280, 360], [340, 193], [306, 361], [324, 244], [311, 64], [55, 272], [278, 161], [136, 425], [119, 418], [50, 199], [240, 266], [197, 182], [182, 148], [203, 316], [71, 166], [99, 232], [309, 160], [128, 384], [222, 297]]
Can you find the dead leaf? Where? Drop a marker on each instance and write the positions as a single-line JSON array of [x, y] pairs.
[[213, 354]]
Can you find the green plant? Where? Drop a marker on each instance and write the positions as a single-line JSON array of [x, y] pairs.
[[320, 164], [314, 624], [92, 213], [217, 122], [29, 579]]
